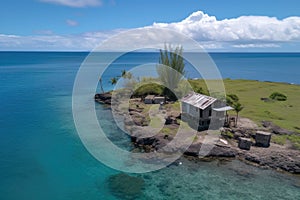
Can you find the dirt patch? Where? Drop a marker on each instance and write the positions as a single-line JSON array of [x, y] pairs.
[[246, 123]]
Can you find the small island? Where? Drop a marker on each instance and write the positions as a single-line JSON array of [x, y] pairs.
[[259, 119]]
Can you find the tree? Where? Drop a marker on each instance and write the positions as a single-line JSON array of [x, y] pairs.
[[232, 99], [237, 108], [123, 74], [126, 75], [171, 69], [114, 80], [101, 86]]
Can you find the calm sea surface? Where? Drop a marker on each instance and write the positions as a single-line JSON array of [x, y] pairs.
[[41, 156]]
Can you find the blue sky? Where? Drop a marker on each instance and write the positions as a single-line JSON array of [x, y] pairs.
[[26, 22]]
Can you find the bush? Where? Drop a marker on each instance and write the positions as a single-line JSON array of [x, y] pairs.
[[227, 134], [150, 88], [232, 99], [278, 96]]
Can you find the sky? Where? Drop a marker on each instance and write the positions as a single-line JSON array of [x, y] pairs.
[[218, 25]]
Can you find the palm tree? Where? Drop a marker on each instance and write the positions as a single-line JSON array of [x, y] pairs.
[[170, 76], [126, 75], [101, 86], [114, 80], [123, 74], [237, 108]]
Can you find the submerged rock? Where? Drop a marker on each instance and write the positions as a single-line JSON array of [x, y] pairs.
[[126, 187]]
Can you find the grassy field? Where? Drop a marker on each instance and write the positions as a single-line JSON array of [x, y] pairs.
[[285, 114]]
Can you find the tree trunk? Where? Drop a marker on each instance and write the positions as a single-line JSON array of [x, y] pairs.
[[101, 85], [236, 120]]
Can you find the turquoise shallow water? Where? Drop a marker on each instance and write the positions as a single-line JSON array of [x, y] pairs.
[[42, 157]]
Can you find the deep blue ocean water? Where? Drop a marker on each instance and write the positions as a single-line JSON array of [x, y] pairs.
[[42, 156]]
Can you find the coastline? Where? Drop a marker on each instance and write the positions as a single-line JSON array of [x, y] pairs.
[[275, 157]]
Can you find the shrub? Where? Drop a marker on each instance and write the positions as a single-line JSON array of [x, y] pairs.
[[150, 88], [232, 99], [278, 96], [227, 134]]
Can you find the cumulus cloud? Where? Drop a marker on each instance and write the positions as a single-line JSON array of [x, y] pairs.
[[253, 31], [245, 32], [71, 22], [75, 3]]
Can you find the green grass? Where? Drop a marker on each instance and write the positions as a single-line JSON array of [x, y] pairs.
[[282, 139], [167, 131], [285, 114], [156, 122], [279, 139]]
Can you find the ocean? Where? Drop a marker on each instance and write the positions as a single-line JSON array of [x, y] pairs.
[[42, 156]]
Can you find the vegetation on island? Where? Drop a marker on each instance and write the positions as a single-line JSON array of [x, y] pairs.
[[252, 94], [233, 101], [171, 69], [278, 96], [259, 101]]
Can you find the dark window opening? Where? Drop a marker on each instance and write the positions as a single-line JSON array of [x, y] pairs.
[[210, 112], [201, 113]]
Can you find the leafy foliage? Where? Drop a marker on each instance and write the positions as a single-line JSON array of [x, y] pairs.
[[197, 87], [232, 99], [278, 96], [114, 80], [171, 69], [149, 88]]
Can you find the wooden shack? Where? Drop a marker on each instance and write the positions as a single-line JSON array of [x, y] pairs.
[[159, 100], [149, 99], [198, 110]]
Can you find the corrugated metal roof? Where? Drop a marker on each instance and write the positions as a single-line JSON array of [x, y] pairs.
[[226, 108], [150, 97], [198, 100]]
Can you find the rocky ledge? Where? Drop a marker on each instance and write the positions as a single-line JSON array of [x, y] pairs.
[[276, 156], [103, 98]]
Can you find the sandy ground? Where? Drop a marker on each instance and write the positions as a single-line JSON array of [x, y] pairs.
[[246, 123]]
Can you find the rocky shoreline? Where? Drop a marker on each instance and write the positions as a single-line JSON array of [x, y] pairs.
[[276, 156]]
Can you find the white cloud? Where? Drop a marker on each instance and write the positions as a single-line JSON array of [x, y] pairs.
[[256, 46], [252, 30], [80, 42], [242, 33], [75, 3], [71, 22]]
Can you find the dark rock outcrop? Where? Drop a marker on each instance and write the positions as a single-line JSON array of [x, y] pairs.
[[215, 151], [276, 129], [289, 162], [104, 98]]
